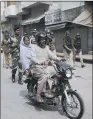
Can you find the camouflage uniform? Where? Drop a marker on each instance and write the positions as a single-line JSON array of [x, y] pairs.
[[15, 50]]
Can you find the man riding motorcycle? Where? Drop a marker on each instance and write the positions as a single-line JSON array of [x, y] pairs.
[[40, 69]]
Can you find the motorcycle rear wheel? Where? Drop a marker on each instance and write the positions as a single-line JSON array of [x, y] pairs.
[[65, 104]]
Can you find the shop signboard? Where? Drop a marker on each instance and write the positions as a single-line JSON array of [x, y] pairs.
[[53, 18]]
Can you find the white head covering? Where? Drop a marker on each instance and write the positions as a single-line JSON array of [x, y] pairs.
[[22, 43], [25, 56]]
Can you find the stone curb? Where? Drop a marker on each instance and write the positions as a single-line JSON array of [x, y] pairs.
[[85, 60]]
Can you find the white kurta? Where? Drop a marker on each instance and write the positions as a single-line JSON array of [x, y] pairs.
[[42, 72], [40, 55], [25, 57]]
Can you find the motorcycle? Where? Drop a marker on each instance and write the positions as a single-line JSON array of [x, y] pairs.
[[70, 99]]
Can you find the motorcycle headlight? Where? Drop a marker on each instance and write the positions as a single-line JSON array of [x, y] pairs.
[[68, 73]]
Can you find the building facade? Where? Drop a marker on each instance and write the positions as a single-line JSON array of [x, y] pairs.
[[28, 15], [57, 16], [35, 19], [60, 20], [9, 18]]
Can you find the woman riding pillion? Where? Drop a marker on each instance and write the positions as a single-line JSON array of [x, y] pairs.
[[25, 54], [26, 46]]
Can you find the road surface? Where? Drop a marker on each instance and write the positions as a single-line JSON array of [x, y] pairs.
[[15, 105]]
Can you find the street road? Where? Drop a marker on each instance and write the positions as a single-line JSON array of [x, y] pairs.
[[15, 105]]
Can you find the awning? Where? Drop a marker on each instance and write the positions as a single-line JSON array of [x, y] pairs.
[[85, 18], [31, 4], [56, 27], [33, 20]]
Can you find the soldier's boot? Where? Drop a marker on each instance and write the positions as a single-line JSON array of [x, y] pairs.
[[20, 79], [13, 75]]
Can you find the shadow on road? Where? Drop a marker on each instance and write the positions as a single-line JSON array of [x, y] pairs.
[[23, 93], [39, 107], [45, 107]]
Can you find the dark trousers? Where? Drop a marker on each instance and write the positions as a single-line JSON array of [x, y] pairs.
[[13, 73]]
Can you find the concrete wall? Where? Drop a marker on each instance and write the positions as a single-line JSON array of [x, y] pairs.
[[70, 15], [59, 35], [36, 12], [39, 26], [11, 3], [2, 8], [90, 39], [26, 29], [71, 4], [9, 25], [65, 5]]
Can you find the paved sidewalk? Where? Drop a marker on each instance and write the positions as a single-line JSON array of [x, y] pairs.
[[87, 58]]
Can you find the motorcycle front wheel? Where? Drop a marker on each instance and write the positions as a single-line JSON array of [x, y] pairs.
[[75, 109]]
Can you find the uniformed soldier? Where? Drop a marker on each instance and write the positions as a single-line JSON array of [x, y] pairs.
[[68, 49], [77, 48], [5, 46], [15, 50]]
